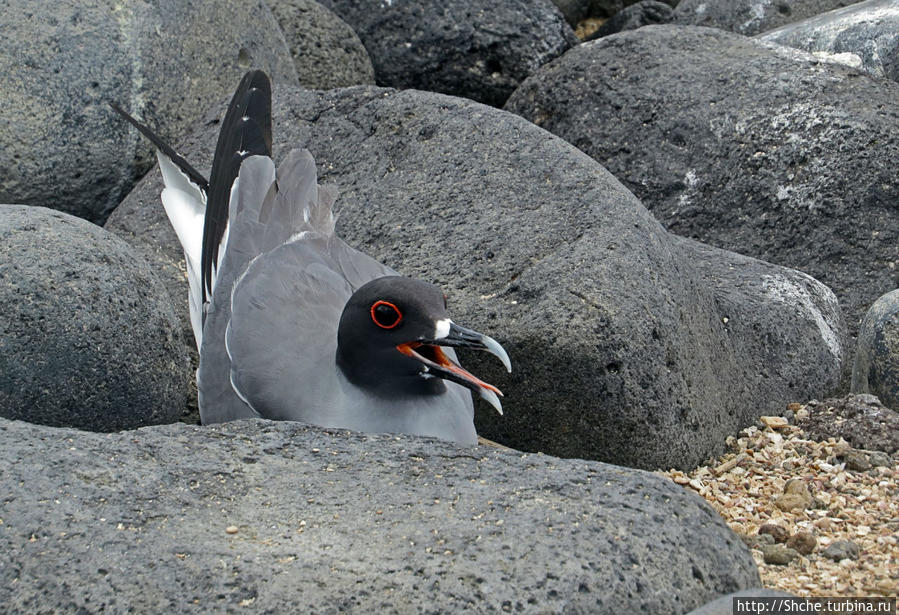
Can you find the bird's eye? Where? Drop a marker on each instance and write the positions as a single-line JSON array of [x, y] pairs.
[[385, 314]]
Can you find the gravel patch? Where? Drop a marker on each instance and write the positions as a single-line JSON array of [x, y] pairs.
[[843, 527]]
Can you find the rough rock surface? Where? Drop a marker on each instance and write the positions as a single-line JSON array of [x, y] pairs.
[[88, 337], [628, 344], [862, 35], [643, 13], [473, 48], [757, 149], [325, 49], [860, 419], [60, 144], [141, 221], [876, 366], [280, 517], [750, 17]]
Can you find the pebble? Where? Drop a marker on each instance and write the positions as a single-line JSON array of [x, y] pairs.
[[844, 505], [758, 541], [842, 549], [824, 523], [774, 422], [803, 542], [880, 459], [778, 532], [778, 554], [796, 496], [231, 529], [857, 461]]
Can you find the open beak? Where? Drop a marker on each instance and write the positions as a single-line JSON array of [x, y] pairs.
[[439, 364]]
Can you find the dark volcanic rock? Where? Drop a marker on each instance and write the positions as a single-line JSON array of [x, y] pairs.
[[753, 148], [750, 17], [88, 337], [325, 49], [862, 35], [857, 461], [753, 296], [643, 13], [861, 419], [842, 549], [284, 518], [876, 367], [62, 62], [473, 48], [628, 343]]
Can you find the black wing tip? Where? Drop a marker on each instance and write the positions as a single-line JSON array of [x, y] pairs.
[[245, 131], [192, 174], [258, 106]]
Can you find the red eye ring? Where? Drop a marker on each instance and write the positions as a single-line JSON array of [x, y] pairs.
[[396, 311]]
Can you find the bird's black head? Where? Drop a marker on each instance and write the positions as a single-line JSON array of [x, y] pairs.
[[390, 335]]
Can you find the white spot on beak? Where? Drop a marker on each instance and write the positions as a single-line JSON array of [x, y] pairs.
[[442, 329]]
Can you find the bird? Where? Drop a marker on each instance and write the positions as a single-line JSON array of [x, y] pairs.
[[291, 322]]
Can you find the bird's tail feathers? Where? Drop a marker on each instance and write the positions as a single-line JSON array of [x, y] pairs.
[[184, 200], [322, 217], [298, 203], [185, 206]]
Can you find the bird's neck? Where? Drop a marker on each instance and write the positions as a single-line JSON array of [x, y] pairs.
[[386, 375]]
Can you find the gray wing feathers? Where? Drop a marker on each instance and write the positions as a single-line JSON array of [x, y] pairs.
[[254, 182], [268, 212], [283, 334], [298, 204], [268, 208], [218, 402], [356, 267], [285, 311]]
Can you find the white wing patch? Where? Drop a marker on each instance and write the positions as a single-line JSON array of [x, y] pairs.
[[185, 206]]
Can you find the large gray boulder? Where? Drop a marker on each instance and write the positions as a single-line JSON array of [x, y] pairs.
[[284, 518], [325, 49], [474, 48], [754, 148], [750, 17], [863, 35], [88, 337], [628, 344], [62, 62], [876, 366]]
